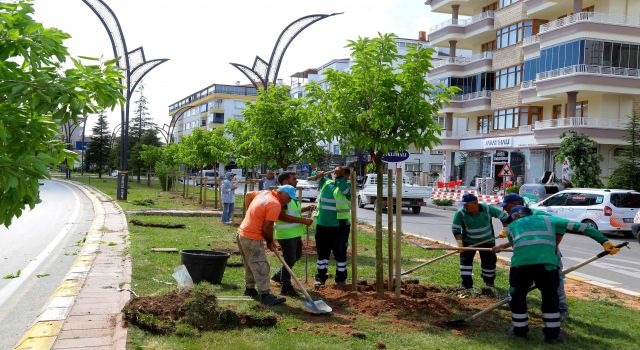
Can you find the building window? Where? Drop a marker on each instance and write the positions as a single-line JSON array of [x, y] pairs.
[[216, 118], [414, 167], [203, 122], [489, 47], [557, 112], [435, 168], [336, 149], [490, 7], [239, 104], [582, 109], [484, 124], [505, 3], [516, 32], [472, 83], [512, 118], [508, 77]]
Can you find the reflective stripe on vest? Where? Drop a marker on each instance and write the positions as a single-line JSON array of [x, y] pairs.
[[294, 208], [343, 205], [325, 203], [546, 237]]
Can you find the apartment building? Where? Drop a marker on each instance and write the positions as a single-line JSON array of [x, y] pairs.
[[209, 108], [421, 163], [538, 68]]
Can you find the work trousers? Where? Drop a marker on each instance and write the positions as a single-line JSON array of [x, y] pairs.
[[521, 278], [332, 239], [256, 265], [227, 212], [487, 264], [291, 252], [563, 306]]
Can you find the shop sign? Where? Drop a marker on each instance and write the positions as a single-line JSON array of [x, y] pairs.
[[498, 142], [395, 157], [501, 157]]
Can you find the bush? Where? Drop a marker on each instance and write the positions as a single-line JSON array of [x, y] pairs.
[[513, 189], [443, 202]]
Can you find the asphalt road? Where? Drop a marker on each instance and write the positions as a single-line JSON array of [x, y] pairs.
[[36, 244], [619, 271]]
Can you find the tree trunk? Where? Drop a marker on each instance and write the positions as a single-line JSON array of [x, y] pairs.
[[390, 227], [379, 257]]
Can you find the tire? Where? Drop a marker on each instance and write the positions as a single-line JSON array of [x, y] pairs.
[[590, 223], [360, 204], [415, 210], [311, 200]]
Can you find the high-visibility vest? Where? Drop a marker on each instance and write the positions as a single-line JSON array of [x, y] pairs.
[[338, 202], [286, 230]]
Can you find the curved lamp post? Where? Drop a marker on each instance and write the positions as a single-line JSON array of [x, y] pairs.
[[263, 73], [135, 66]]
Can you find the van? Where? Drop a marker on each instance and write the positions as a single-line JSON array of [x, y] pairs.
[[606, 210]]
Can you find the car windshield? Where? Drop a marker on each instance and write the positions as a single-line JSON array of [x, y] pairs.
[[626, 200]]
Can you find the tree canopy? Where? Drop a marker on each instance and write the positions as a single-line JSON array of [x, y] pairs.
[[41, 87], [99, 147], [625, 176], [202, 148], [584, 160]]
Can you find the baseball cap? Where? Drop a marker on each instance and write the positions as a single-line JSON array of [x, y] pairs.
[[290, 190], [468, 197], [510, 198], [520, 211]]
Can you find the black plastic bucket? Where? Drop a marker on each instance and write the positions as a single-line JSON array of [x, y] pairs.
[[205, 265]]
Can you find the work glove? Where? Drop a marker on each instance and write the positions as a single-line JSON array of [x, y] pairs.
[[503, 233], [610, 248], [460, 245]]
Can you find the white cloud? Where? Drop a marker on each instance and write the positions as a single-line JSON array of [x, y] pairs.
[[201, 37]]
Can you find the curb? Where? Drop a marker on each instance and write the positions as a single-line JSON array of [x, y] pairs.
[[48, 326]]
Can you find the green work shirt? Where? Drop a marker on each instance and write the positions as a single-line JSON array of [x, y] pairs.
[[327, 214], [533, 238], [476, 228]]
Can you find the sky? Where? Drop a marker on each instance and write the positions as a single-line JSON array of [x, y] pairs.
[[201, 37]]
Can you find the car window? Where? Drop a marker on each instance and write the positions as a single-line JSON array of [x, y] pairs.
[[553, 189], [626, 200], [557, 200], [583, 199]]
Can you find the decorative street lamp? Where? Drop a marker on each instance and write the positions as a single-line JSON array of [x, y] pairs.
[[135, 66], [263, 73]]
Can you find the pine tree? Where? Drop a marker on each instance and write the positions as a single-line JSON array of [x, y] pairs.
[[142, 130], [626, 174], [99, 147]]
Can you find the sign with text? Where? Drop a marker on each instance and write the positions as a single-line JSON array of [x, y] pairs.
[[505, 171], [395, 157], [498, 142], [501, 157]]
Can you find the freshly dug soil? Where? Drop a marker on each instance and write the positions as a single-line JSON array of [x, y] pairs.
[[150, 224], [162, 313]]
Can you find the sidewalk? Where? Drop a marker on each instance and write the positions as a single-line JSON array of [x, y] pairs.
[[85, 311]]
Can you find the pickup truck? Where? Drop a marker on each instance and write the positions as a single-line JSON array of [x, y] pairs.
[[413, 196]]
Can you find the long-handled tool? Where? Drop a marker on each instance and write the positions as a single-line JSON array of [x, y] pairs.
[[315, 177], [317, 306], [465, 321], [444, 256], [464, 249]]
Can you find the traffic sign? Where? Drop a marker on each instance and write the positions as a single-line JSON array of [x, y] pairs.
[[395, 157], [505, 171]]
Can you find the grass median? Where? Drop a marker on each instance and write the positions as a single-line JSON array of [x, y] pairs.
[[361, 322]]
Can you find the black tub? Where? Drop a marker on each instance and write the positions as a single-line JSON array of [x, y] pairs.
[[205, 265]]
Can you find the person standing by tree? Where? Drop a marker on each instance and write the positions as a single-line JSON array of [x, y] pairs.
[[228, 198], [289, 232], [333, 225], [471, 225], [269, 180]]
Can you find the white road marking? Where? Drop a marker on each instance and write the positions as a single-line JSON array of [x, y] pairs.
[[28, 270], [595, 279]]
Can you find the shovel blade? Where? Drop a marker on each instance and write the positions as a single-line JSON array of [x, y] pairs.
[[318, 307]]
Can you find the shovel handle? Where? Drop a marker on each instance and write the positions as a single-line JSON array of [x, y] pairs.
[[464, 249], [564, 272], [444, 256], [298, 283]]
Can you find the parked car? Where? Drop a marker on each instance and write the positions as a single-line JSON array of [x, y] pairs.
[[534, 193], [309, 190], [413, 196], [635, 228], [606, 210], [211, 176]]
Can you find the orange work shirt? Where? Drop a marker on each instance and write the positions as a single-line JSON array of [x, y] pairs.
[[264, 207]]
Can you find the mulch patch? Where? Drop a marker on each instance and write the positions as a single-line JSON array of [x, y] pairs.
[[150, 224]]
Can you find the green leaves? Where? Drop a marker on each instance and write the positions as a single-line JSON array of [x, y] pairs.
[[583, 157], [204, 147]]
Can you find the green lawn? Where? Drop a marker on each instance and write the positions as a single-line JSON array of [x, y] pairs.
[[595, 324]]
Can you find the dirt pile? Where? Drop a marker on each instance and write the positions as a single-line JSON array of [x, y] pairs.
[[189, 312]]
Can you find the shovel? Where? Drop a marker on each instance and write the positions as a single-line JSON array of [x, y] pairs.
[[444, 256], [464, 249], [315, 307], [465, 321]]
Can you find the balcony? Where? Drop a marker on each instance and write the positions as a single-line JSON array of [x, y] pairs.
[[467, 32], [591, 17], [601, 130], [593, 25], [579, 122], [469, 103], [463, 64], [582, 77], [467, 7]]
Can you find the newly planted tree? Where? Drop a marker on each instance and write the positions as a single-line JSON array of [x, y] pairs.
[[583, 158], [383, 104], [150, 155], [38, 92], [626, 174]]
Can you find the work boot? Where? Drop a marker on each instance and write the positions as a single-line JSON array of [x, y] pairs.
[[276, 277], [513, 334], [271, 300], [251, 292], [341, 285], [319, 282], [289, 291], [559, 339]]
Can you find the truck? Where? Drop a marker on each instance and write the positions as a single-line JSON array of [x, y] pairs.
[[413, 196]]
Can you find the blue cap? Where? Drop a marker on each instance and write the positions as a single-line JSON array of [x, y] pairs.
[[520, 211], [290, 190], [468, 197], [510, 198]]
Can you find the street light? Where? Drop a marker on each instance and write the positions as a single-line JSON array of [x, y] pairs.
[[264, 73], [135, 66]]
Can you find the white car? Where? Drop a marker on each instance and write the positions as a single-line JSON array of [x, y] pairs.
[[309, 189], [606, 210]]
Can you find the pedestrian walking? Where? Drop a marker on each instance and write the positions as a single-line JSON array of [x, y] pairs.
[[256, 228], [228, 189], [534, 239], [289, 231], [471, 225], [333, 224]]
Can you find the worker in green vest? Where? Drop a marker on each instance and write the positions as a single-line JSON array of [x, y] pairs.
[[333, 224], [471, 225], [289, 230], [534, 239]]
